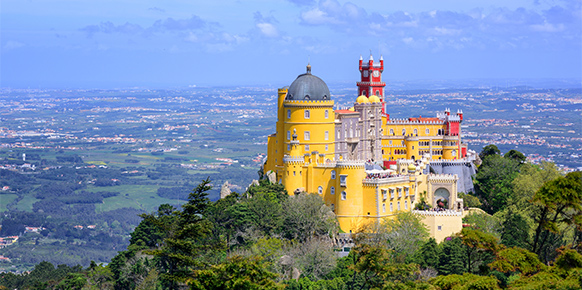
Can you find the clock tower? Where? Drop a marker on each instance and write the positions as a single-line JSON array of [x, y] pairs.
[[371, 79]]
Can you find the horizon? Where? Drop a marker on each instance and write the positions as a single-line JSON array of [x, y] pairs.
[[85, 44]]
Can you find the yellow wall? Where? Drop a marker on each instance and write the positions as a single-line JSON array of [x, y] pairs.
[[449, 225]]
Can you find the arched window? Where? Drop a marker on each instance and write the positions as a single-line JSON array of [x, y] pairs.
[[320, 190], [326, 114], [288, 114], [344, 195], [378, 93], [415, 132], [332, 190], [288, 135], [307, 135], [427, 131], [403, 132], [326, 135], [383, 207], [391, 208], [398, 205], [306, 114], [333, 174], [405, 204], [391, 131]]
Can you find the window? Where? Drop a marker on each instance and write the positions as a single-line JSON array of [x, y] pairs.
[[320, 190], [405, 204], [333, 174], [440, 228], [326, 147], [378, 93], [399, 193], [288, 147], [415, 132], [288, 114], [332, 190], [391, 131], [390, 142], [398, 205], [306, 114], [427, 131], [406, 189], [344, 195], [306, 147], [403, 132], [293, 173], [343, 180], [383, 207], [306, 135], [333, 207], [391, 209], [326, 135], [288, 135], [392, 193], [338, 134], [326, 114], [384, 194]]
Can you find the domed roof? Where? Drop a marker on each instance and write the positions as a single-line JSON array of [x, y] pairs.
[[374, 99], [411, 167], [308, 87], [351, 109], [362, 99]]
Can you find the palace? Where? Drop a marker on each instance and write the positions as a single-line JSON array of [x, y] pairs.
[[365, 165]]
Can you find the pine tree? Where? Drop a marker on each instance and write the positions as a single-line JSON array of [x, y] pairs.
[[451, 257]]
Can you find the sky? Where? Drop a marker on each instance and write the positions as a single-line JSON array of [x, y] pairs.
[[181, 43]]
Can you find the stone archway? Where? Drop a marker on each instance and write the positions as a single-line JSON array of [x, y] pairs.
[[441, 194]]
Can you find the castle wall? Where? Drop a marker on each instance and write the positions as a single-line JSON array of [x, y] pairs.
[[441, 224]]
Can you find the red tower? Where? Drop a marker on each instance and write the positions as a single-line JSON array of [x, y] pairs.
[[371, 79]]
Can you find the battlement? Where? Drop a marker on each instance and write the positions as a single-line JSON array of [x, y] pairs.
[[350, 164], [293, 159], [308, 103], [447, 212], [415, 122], [443, 178]]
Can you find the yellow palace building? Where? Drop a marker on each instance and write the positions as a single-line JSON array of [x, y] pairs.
[[365, 165]]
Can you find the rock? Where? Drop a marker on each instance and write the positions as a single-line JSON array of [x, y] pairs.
[[272, 177], [286, 260], [254, 183], [225, 190], [296, 274]]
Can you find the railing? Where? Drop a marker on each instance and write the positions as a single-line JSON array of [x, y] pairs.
[[387, 180]]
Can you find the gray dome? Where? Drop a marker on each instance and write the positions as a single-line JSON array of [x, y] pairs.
[[308, 87]]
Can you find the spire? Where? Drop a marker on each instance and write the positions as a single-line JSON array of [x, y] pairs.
[[361, 57], [381, 57]]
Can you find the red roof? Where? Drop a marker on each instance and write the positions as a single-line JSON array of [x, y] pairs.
[[344, 111]]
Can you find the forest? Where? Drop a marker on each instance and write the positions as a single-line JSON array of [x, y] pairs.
[[528, 236]]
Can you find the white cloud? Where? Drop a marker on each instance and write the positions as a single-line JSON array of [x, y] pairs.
[[268, 29], [13, 44]]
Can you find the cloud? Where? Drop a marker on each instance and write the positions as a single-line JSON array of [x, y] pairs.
[[156, 9], [169, 23], [109, 27], [476, 28], [13, 44], [302, 2], [266, 25]]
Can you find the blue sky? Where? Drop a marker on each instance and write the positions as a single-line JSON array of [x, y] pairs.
[[126, 43]]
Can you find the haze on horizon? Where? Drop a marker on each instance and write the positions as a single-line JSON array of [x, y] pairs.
[[122, 43]]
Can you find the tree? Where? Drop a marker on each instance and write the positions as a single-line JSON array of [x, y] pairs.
[[488, 151], [515, 155], [465, 281], [479, 247], [515, 229], [404, 235], [493, 182], [428, 254], [180, 251], [236, 273], [559, 204], [306, 217], [451, 257]]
